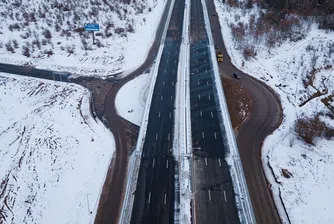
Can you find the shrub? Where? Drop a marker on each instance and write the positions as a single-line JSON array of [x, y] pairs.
[[26, 51], [16, 44], [249, 52], [47, 34], [9, 46], [309, 128]]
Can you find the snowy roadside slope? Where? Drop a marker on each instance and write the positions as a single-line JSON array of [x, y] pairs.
[[131, 98], [53, 154], [297, 71], [50, 34]]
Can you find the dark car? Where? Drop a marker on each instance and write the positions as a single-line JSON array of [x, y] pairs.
[[236, 76]]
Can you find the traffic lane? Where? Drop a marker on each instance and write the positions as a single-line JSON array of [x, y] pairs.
[[264, 118], [214, 192], [156, 204]]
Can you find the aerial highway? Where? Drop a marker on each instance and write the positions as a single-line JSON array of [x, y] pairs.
[[265, 117], [155, 193], [214, 199]]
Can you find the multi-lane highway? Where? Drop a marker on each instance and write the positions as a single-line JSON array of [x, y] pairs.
[[155, 194], [214, 199], [264, 118]]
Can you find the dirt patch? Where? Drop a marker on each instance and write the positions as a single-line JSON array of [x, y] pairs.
[[239, 101]]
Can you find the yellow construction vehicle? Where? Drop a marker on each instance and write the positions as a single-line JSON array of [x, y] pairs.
[[220, 57]]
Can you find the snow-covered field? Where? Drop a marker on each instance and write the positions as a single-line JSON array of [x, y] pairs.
[[49, 34], [301, 72], [131, 98], [53, 155]]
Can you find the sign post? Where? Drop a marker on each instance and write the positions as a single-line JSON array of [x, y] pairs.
[[92, 27]]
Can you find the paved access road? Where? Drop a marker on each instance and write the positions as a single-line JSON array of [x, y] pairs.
[[36, 73], [214, 199], [265, 117], [155, 193]]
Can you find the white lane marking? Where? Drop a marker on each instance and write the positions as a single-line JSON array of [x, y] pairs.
[[167, 164], [170, 114], [201, 113], [220, 164], [207, 83], [156, 136], [206, 161], [202, 134], [153, 163], [211, 114], [168, 136], [171, 97], [172, 83], [149, 198], [161, 97], [198, 83], [209, 195], [199, 96], [215, 135], [225, 196], [165, 70], [159, 114], [165, 198], [163, 83], [209, 97]]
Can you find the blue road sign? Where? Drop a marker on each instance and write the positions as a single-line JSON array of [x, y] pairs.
[[92, 27]]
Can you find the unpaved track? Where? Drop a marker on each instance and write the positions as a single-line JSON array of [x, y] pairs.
[[265, 117]]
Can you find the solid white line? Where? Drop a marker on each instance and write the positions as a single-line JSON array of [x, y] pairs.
[[209, 195], [225, 196], [206, 161], [202, 134], [153, 163], [165, 198], [156, 136], [149, 198], [167, 164], [211, 114], [220, 164]]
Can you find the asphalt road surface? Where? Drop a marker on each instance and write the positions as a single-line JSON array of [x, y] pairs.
[[265, 117], [36, 73], [214, 199], [155, 193]]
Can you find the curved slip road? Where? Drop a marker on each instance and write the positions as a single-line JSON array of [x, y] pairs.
[[265, 117], [111, 200]]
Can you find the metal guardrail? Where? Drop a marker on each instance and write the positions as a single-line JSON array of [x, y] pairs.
[[133, 170], [246, 213]]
